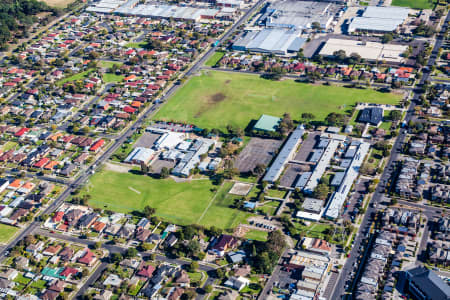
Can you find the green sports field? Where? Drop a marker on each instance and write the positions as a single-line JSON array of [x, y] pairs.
[[216, 99], [6, 232], [416, 4], [182, 203]]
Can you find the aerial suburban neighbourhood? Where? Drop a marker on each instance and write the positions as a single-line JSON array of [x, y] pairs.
[[225, 149]]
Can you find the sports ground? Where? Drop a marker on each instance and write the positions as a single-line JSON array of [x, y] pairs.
[[216, 99], [416, 4], [59, 3], [183, 203], [6, 232]]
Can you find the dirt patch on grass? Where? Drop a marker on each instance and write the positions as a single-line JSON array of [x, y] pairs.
[[240, 231], [216, 98], [212, 100], [59, 3], [119, 168]]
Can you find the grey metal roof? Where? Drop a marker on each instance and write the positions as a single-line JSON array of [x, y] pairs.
[[337, 179], [380, 18], [296, 44], [374, 24], [278, 41], [285, 154], [315, 157], [429, 283], [338, 198], [303, 179], [386, 12]]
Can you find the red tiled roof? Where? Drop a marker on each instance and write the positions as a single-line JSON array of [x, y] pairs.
[[146, 271], [97, 145], [42, 162], [68, 271], [58, 216], [21, 132], [87, 258], [129, 109]]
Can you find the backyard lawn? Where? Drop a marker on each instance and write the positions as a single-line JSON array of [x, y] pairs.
[[109, 64], [6, 232], [135, 45], [214, 59], [110, 77], [75, 77], [8, 146], [216, 99], [182, 203], [416, 4]]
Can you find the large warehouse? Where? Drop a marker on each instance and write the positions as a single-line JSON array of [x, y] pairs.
[[368, 50], [275, 41], [298, 14], [154, 10], [379, 19]]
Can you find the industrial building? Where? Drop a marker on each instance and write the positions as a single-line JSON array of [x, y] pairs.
[[285, 154], [155, 10], [275, 41], [299, 15], [379, 19], [105, 6], [372, 51]]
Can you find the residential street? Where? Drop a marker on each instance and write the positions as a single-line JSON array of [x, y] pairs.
[[339, 290]]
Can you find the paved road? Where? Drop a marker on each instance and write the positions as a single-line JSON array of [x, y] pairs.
[[378, 195], [125, 135], [233, 28], [273, 277], [117, 249], [67, 123]]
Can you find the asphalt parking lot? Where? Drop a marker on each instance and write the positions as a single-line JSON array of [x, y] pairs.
[[292, 172], [257, 151], [173, 127], [158, 164], [147, 140], [330, 286], [307, 146]]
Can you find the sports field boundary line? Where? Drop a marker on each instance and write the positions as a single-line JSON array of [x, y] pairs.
[[209, 205]]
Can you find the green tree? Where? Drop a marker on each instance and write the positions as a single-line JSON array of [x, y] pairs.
[[193, 247], [116, 257], [386, 38], [395, 115], [148, 211], [164, 173], [208, 288], [321, 191], [193, 266], [131, 252]]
